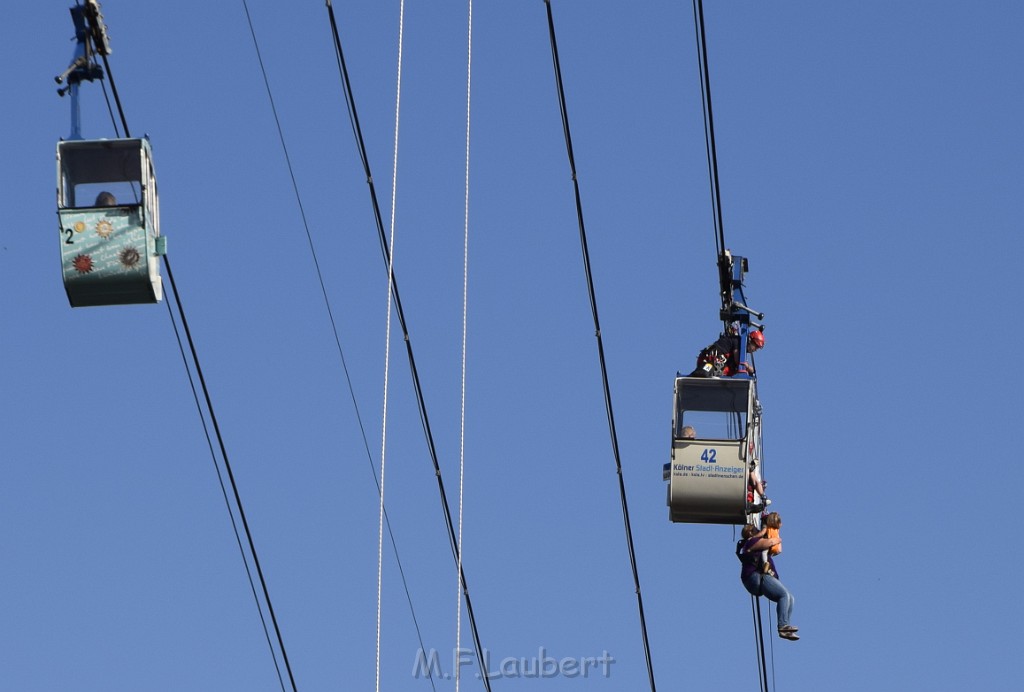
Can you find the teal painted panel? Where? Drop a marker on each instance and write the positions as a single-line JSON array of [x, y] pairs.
[[108, 257]]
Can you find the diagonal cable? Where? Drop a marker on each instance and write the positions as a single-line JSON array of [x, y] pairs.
[[399, 312], [220, 440], [600, 341], [334, 329], [224, 493], [385, 251]]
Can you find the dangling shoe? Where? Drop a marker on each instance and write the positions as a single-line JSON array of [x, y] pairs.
[[790, 635], [788, 628]]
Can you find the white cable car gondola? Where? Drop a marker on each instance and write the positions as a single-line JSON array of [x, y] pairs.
[[109, 215], [716, 427]]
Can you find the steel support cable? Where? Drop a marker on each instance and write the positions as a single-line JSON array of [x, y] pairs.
[[231, 475], [399, 312], [220, 440], [224, 493], [600, 342], [110, 109], [709, 125], [716, 200], [334, 326], [117, 98]]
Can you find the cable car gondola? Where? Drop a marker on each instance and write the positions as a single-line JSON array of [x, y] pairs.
[[716, 427], [108, 208], [107, 203]]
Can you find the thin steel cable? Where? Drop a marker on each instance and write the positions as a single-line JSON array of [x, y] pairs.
[[117, 97], [400, 313], [334, 329], [600, 342], [709, 125], [224, 493], [230, 473], [220, 439], [340, 349], [465, 310], [110, 109], [716, 198]]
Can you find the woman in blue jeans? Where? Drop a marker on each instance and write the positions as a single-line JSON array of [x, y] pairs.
[[760, 577]]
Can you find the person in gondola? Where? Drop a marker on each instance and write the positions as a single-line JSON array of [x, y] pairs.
[[761, 578], [722, 358], [105, 199]]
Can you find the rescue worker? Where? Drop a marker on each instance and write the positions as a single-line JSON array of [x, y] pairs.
[[756, 499], [722, 358]]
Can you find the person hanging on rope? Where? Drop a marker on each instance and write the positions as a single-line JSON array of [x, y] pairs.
[[722, 358], [759, 576]]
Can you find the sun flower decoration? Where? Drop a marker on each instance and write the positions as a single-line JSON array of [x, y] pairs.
[[129, 257], [104, 228], [82, 264]]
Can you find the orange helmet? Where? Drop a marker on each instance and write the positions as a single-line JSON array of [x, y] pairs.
[[757, 338]]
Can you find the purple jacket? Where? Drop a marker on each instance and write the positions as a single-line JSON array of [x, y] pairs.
[[752, 560]]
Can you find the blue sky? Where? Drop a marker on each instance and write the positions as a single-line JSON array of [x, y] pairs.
[[871, 167]]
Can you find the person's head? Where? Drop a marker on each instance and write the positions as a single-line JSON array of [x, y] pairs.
[[755, 341], [748, 531], [105, 199], [772, 520], [689, 433]]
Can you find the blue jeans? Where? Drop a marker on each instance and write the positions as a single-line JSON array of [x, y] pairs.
[[771, 588]]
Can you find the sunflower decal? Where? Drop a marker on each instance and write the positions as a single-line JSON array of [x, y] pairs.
[[129, 257], [82, 264], [104, 228]]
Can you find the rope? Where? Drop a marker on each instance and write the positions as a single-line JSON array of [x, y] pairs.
[[400, 313], [716, 201], [465, 310], [387, 340], [600, 342], [762, 673], [337, 337]]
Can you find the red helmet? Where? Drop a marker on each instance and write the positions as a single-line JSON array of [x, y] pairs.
[[757, 338]]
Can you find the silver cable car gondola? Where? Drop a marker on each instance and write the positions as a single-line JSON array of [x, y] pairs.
[[716, 426]]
